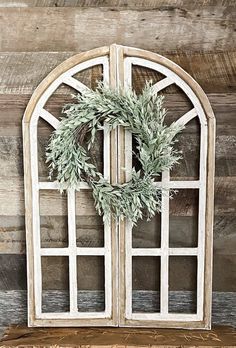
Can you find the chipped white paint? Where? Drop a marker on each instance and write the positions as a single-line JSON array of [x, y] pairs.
[[157, 87], [49, 118], [169, 251], [72, 250], [77, 85]]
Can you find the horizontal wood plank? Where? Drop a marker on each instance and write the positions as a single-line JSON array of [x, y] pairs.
[[11, 161], [21, 72], [12, 108], [12, 272], [145, 271], [52, 203], [13, 305], [199, 29], [89, 231], [12, 240], [143, 4]]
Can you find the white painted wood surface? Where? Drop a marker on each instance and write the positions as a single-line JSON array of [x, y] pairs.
[[74, 83], [159, 251], [72, 250], [157, 87], [123, 68]]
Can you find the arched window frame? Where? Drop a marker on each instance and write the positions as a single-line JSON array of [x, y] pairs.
[[117, 62]]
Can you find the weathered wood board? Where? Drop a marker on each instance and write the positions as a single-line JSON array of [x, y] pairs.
[[142, 4], [213, 70], [53, 203], [13, 270], [198, 28], [108, 337], [11, 156], [13, 304], [199, 35]]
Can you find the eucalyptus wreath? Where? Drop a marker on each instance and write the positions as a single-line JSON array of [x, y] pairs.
[[144, 116]]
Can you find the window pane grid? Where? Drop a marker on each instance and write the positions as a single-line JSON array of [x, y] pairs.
[[72, 251], [164, 252]]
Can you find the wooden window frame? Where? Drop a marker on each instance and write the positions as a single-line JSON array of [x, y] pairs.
[[117, 63]]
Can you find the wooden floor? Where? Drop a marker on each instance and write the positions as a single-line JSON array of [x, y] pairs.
[[119, 337]]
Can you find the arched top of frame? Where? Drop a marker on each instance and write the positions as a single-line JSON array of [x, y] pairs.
[[68, 68], [63, 68], [176, 69]]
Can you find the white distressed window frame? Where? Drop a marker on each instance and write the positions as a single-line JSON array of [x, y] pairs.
[[32, 189], [164, 252], [203, 252], [117, 63]]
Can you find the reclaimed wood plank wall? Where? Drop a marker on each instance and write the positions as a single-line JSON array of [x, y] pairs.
[[37, 35]]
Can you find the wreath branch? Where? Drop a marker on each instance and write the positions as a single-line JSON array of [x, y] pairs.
[[144, 117]]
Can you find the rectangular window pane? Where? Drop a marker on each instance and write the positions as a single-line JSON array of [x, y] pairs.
[[183, 220], [89, 231], [189, 144], [147, 234], [183, 284], [89, 225], [91, 283], [53, 219], [55, 284], [146, 284]]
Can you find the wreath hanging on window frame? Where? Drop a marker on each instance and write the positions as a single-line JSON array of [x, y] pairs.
[[144, 116]]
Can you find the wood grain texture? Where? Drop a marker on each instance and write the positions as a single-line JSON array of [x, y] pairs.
[[56, 205], [97, 337], [11, 161], [12, 107], [12, 272], [214, 70], [88, 234], [207, 28], [14, 305], [199, 28], [21, 72], [144, 4]]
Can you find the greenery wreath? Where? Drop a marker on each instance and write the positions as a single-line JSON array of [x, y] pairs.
[[143, 115]]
